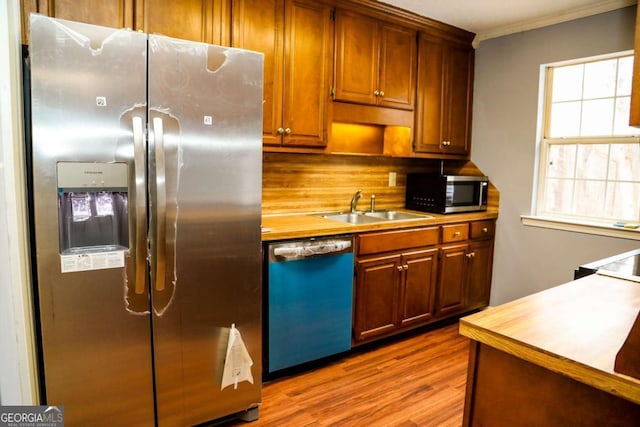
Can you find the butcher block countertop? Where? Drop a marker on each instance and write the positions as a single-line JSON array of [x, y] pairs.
[[575, 329], [293, 226]]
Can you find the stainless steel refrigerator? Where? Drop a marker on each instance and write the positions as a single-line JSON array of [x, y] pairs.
[[146, 168]]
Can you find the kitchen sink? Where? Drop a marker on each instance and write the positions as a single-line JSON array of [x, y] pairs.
[[395, 215], [372, 217], [352, 218]]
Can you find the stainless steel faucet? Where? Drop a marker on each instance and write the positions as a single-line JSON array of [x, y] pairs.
[[354, 200]]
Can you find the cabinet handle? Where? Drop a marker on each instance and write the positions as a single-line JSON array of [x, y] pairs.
[[376, 92], [280, 131], [405, 267], [287, 131], [399, 268], [456, 234]]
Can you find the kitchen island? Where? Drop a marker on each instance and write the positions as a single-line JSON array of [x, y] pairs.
[[548, 358]]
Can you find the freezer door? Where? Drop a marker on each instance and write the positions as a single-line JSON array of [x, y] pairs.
[[88, 95], [205, 123]]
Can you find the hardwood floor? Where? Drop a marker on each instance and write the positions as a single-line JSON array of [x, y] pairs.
[[418, 380]]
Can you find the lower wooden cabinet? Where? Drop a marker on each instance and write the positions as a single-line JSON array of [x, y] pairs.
[[478, 288], [377, 292], [409, 278], [394, 292], [453, 274], [418, 284]]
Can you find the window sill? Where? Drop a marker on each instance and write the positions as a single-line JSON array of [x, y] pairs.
[[581, 227]]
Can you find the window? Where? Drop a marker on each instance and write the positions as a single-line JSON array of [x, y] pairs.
[[589, 168]]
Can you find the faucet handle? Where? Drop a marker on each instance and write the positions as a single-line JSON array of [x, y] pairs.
[[373, 203]]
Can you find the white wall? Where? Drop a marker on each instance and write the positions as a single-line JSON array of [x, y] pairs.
[[17, 354], [528, 259]]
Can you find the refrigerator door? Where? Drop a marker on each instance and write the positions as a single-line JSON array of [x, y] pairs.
[[88, 96], [205, 121]]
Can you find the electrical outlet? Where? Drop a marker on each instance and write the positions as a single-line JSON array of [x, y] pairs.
[[392, 179]]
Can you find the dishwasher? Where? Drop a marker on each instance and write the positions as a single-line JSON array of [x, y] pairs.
[[309, 299]]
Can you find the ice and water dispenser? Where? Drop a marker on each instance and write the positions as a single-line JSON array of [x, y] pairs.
[[92, 207]]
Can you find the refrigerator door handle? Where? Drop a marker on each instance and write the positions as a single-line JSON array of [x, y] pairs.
[[161, 205], [140, 206]]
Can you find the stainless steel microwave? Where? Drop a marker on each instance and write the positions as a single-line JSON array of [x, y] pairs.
[[446, 193]]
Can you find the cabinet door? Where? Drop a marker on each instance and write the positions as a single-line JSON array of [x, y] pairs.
[[458, 77], [307, 71], [420, 271], [428, 134], [356, 58], [197, 20], [479, 278], [443, 108], [453, 275], [398, 62], [109, 13], [376, 298], [258, 25]]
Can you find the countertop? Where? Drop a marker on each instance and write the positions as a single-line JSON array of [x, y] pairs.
[[292, 226], [575, 329]]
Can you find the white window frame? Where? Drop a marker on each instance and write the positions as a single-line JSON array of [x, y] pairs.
[[565, 222]]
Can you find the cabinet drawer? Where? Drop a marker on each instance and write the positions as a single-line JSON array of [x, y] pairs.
[[483, 229], [455, 232], [397, 240]]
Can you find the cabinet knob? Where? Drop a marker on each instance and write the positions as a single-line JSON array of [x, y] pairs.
[[485, 230], [456, 234], [287, 131], [471, 255], [376, 92], [381, 93], [280, 131], [399, 268], [405, 267], [446, 143]]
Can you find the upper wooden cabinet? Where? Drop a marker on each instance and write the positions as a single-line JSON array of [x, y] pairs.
[[444, 101], [296, 38], [108, 13], [375, 62], [197, 20], [407, 73]]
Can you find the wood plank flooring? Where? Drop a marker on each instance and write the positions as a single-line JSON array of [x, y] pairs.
[[416, 380]]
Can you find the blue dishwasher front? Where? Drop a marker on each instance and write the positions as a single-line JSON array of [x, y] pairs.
[[310, 300]]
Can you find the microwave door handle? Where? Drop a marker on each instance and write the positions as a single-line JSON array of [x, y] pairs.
[[161, 206], [140, 205], [481, 199]]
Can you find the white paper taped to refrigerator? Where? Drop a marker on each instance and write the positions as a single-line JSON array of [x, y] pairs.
[[312, 249], [237, 363], [91, 261]]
